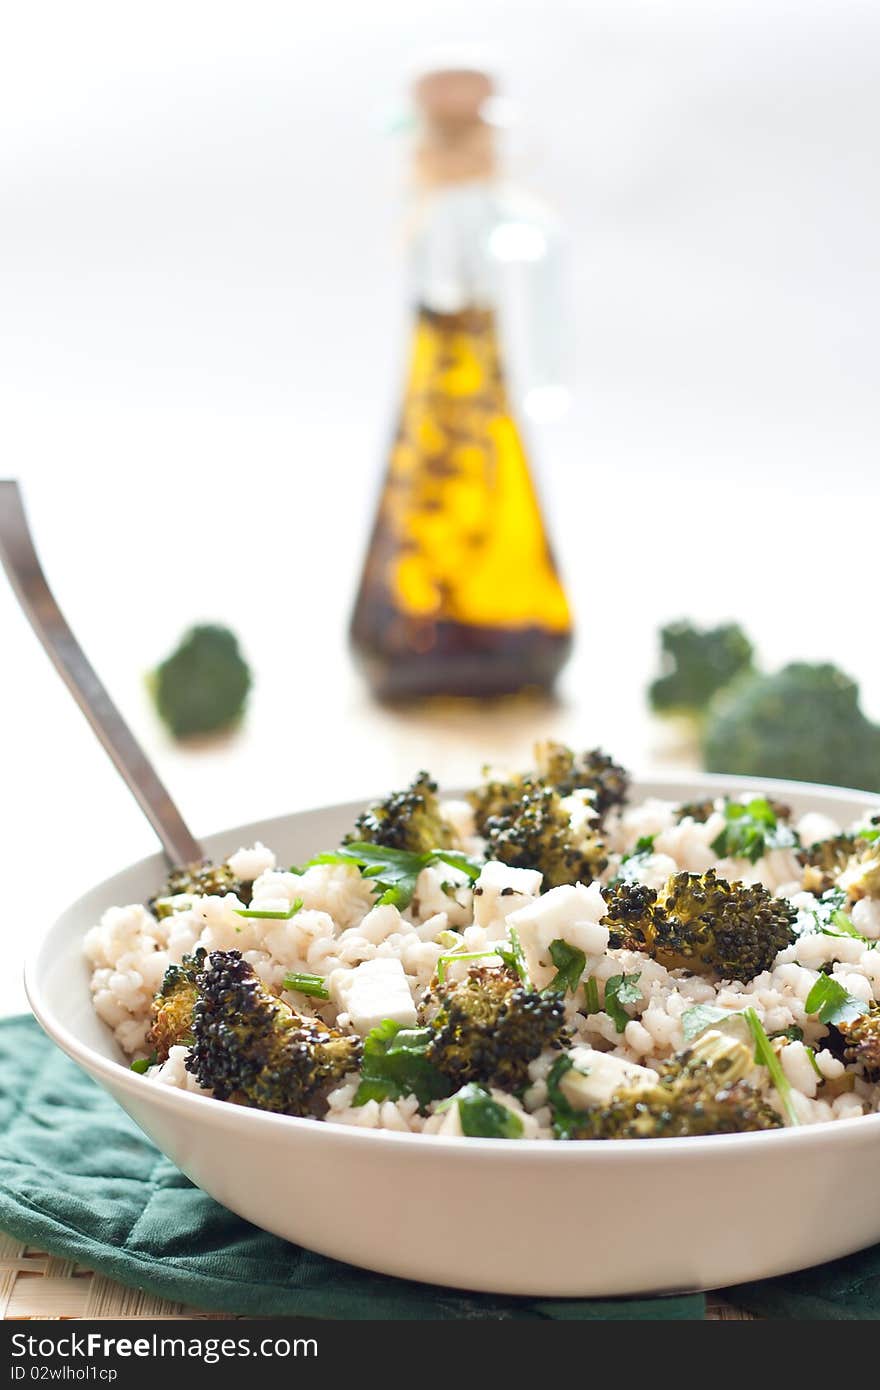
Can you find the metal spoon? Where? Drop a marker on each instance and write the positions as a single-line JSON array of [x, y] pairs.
[[36, 598]]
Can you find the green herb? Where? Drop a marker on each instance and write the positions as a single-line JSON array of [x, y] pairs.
[[842, 925], [811, 1053], [570, 963], [456, 860], [766, 1057], [591, 996], [514, 957], [702, 1016], [620, 990], [449, 957], [395, 871], [143, 1064], [634, 859], [751, 829], [792, 1034], [481, 1117], [395, 1064], [294, 908], [565, 1118], [643, 845], [831, 1003], [869, 832], [307, 984], [828, 917]]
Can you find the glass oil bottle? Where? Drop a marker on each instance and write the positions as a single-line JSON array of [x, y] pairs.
[[460, 593]]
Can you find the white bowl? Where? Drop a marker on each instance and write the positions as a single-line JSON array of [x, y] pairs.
[[514, 1217]]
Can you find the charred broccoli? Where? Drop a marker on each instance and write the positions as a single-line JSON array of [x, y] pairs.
[[566, 772], [408, 820], [250, 1048], [698, 811], [488, 1027], [700, 1091], [702, 924], [537, 832], [205, 879], [862, 1038], [861, 873], [561, 770], [824, 861], [696, 663], [174, 1004], [202, 687], [803, 723]]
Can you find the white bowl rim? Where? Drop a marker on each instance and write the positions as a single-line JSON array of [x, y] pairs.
[[188, 1104]]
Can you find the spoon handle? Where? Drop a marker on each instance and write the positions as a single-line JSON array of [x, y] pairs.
[[36, 598]]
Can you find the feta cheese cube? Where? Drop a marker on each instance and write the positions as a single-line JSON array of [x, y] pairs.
[[501, 890], [595, 1076], [569, 913], [373, 991]]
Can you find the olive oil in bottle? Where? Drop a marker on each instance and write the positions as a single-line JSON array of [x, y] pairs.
[[459, 594]]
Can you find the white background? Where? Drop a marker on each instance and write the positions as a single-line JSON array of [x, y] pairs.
[[201, 335]]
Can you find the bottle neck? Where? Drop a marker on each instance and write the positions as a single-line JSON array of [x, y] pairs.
[[450, 268], [450, 154]]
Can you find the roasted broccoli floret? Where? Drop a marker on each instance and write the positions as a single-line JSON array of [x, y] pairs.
[[561, 770], [824, 861], [631, 909], [537, 833], [862, 1038], [695, 664], [698, 811], [205, 879], [860, 877], [250, 1048], [174, 1004], [700, 1091], [702, 924], [409, 820], [202, 687], [559, 767], [803, 723], [488, 1027]]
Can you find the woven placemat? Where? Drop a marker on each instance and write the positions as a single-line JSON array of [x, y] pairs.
[[34, 1285]]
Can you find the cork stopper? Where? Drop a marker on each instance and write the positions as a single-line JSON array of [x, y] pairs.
[[455, 143]]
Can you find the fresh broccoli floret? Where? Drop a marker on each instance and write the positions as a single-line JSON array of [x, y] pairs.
[[803, 723], [489, 1027], [862, 1038], [205, 879], [700, 1091], [202, 687], [249, 1047], [537, 833], [702, 924], [173, 1006], [408, 820], [696, 663], [560, 769]]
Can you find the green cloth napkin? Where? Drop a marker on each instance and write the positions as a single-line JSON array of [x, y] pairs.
[[79, 1179]]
